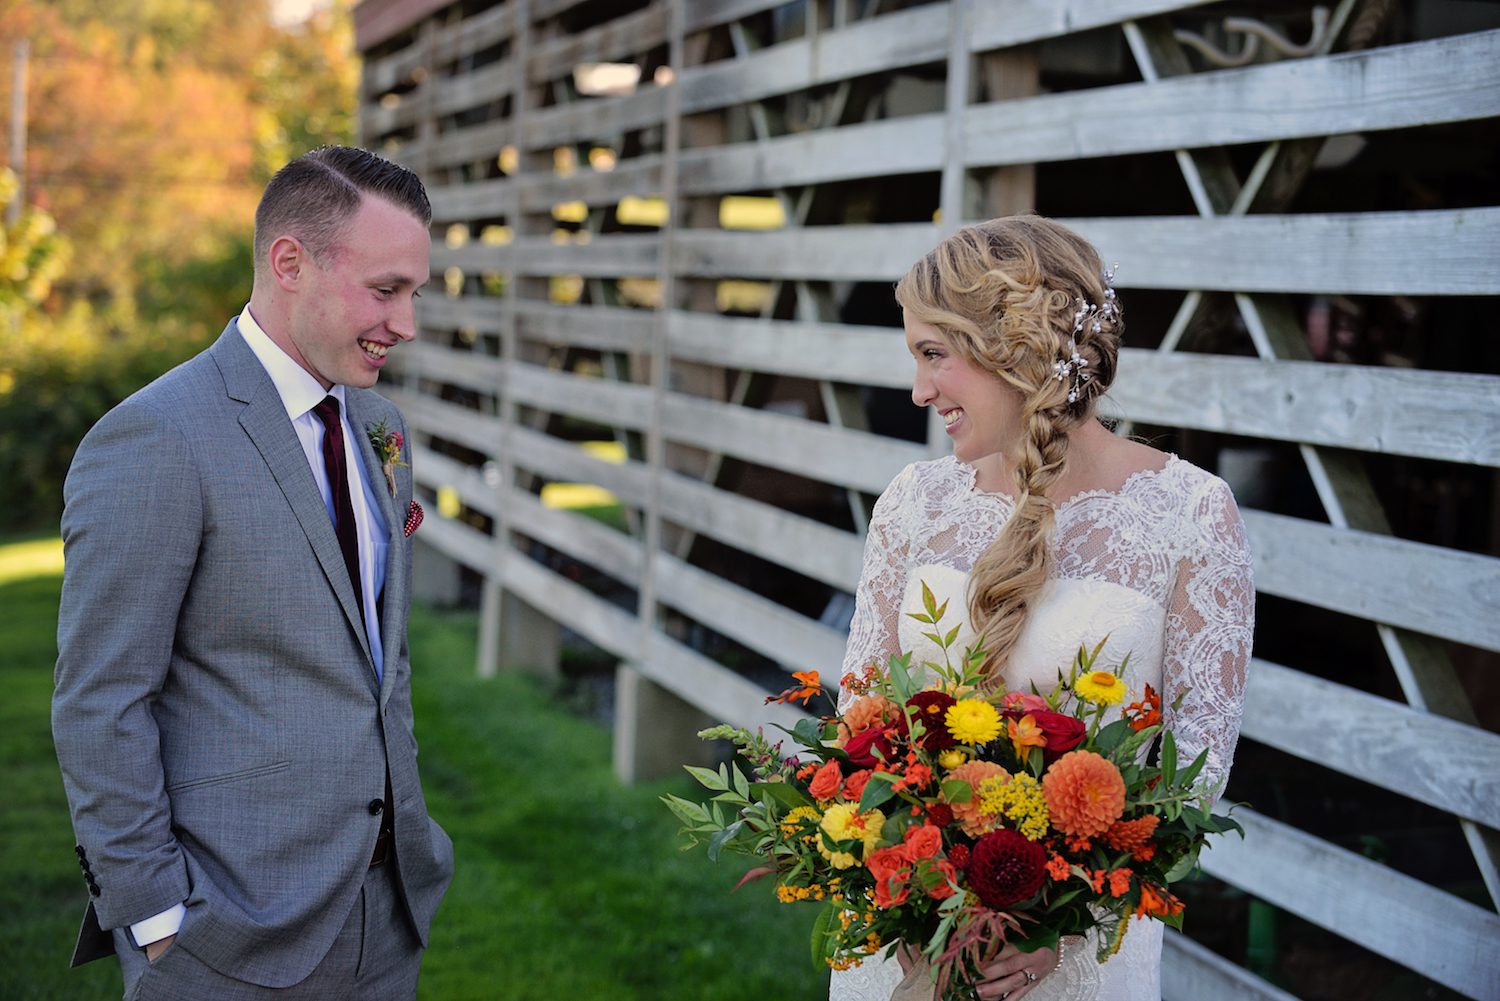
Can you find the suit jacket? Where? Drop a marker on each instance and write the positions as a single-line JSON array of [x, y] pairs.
[[223, 737]]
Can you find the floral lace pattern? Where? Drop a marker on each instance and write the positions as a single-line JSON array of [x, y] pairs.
[[1161, 565]]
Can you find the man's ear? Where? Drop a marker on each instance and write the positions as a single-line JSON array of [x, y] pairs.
[[288, 258]]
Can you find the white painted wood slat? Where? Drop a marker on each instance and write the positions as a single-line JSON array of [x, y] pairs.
[[818, 451], [1401, 86], [618, 404], [1423, 928], [1190, 972], [1453, 416], [1432, 759], [874, 356], [798, 543], [1428, 589], [792, 640]]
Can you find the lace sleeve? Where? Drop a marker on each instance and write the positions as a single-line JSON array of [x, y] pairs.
[[1209, 626], [873, 635]]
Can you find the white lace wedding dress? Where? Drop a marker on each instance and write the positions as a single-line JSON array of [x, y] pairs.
[[1160, 566]]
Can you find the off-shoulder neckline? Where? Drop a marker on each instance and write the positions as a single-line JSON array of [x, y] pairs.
[[971, 475]]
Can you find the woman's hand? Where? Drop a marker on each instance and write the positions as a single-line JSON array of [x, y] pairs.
[[1012, 974]]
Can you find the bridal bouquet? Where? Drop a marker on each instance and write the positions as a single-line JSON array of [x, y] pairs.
[[955, 820]]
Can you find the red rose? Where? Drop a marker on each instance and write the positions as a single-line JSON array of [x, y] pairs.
[[931, 708], [923, 842], [861, 749], [892, 876], [825, 784], [947, 877], [1005, 868], [854, 785]]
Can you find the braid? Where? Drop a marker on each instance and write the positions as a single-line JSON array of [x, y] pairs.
[[1004, 294]]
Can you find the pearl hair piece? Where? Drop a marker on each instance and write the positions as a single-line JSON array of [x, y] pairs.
[[1092, 317]]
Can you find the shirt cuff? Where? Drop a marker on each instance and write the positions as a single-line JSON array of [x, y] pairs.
[[159, 926]]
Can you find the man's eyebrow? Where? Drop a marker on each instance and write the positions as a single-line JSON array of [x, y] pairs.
[[392, 278]]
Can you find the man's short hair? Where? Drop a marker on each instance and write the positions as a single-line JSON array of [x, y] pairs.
[[314, 197]]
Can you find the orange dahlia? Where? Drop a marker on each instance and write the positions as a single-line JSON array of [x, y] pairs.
[[1085, 793], [968, 815], [1133, 836]]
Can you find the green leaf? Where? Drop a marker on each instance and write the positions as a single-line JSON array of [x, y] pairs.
[[957, 791], [1191, 772], [708, 778], [1184, 865], [821, 930], [717, 842], [784, 793], [741, 784], [686, 810], [1168, 758], [877, 791], [952, 637], [929, 602]]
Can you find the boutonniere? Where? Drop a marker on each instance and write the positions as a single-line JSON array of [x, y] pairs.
[[387, 445]]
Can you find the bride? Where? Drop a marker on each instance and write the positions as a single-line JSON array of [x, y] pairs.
[[1050, 532]]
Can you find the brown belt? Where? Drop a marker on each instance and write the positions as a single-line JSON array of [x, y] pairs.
[[382, 848]]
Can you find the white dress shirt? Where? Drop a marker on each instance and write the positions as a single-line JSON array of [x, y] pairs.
[[299, 393]]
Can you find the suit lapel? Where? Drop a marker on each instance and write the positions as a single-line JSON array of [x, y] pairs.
[[265, 421], [361, 417]]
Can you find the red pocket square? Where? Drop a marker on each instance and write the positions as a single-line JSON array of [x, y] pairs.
[[414, 516]]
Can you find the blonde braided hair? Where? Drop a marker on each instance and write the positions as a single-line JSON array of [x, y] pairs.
[[1004, 295]]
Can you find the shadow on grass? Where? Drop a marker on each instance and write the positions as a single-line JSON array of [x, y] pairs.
[[569, 886]]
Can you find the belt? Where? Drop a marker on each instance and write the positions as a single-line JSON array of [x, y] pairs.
[[382, 848]]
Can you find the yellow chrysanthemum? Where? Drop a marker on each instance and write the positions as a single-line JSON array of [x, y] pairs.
[[953, 757], [1100, 687], [843, 822], [971, 721]]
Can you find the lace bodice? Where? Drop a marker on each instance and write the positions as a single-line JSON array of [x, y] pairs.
[[1159, 565]]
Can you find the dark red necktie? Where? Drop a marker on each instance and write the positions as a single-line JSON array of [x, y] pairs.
[[338, 482]]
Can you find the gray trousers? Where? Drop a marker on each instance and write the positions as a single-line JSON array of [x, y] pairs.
[[376, 957]]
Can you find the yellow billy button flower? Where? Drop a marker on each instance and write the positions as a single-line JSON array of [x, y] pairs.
[[1100, 687], [843, 822], [972, 721]]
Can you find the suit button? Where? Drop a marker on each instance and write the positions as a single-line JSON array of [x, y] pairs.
[[376, 805]]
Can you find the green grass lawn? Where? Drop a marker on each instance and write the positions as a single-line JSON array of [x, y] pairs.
[[569, 886]]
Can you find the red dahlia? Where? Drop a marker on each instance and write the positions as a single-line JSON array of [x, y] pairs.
[[930, 707], [1005, 868]]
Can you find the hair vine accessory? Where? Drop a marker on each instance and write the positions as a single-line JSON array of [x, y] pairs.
[[1092, 317]]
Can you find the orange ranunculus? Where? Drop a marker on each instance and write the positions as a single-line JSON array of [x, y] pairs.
[[871, 710], [1085, 793], [854, 785], [827, 782], [1133, 836], [923, 842], [892, 872], [967, 814], [1024, 734]]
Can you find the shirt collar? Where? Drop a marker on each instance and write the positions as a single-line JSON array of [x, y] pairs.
[[298, 390]]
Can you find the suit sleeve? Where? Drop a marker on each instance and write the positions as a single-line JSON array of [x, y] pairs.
[[132, 522]]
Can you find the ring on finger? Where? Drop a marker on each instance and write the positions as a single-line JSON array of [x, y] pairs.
[[1031, 978]]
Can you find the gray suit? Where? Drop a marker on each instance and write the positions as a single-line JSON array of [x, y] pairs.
[[223, 737]]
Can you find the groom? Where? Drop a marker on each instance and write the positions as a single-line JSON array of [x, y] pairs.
[[233, 709]]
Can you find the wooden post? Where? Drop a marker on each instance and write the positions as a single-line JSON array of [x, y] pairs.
[[656, 733]]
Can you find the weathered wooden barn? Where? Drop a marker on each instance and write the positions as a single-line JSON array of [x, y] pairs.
[[660, 379]]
